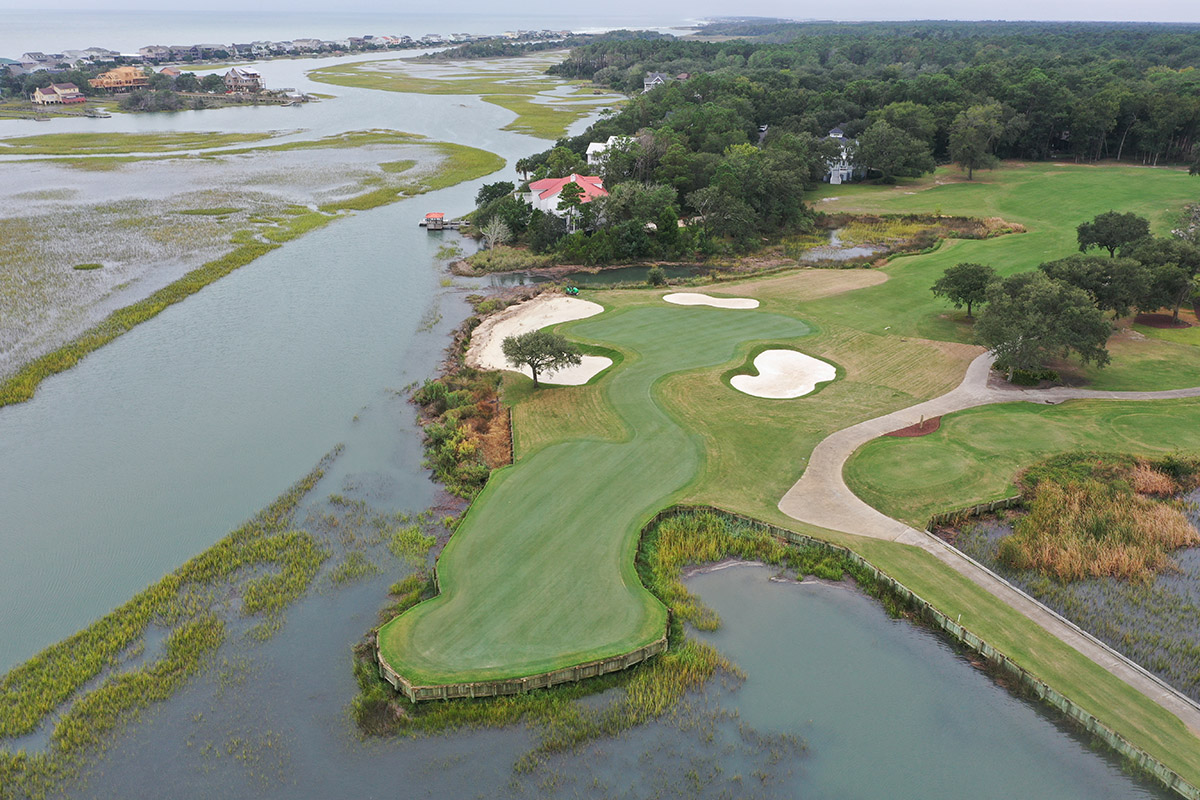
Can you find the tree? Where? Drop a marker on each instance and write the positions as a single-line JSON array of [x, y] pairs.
[[1031, 318], [493, 191], [972, 137], [570, 197], [1111, 230], [913, 118], [187, 82], [892, 152], [495, 232], [965, 284], [1115, 284], [212, 82], [541, 351]]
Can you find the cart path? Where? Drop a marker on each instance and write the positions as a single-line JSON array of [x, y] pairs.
[[821, 497]]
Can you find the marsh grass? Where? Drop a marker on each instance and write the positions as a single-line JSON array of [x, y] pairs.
[[1096, 515], [223, 211], [86, 267], [642, 693], [50, 688], [502, 258]]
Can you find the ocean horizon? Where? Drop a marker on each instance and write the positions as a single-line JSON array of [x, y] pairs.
[[55, 30]]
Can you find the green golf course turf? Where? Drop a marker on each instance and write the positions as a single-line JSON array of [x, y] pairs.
[[540, 574], [974, 455]]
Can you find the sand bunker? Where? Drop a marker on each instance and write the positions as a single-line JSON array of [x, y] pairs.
[[784, 374], [487, 340], [695, 299]]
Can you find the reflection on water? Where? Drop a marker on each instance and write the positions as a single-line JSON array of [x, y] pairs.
[[838, 250], [838, 701]]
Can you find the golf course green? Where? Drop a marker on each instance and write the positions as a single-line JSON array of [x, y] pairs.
[[540, 574]]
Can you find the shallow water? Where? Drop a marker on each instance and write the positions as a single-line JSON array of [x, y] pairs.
[[839, 701], [837, 250], [1153, 623]]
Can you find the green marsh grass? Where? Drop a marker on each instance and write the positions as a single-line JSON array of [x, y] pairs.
[[48, 689], [86, 267]]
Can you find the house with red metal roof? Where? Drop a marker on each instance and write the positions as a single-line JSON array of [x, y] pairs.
[[544, 194], [58, 94]]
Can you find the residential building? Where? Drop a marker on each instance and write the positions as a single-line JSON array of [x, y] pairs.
[[171, 72], [841, 168], [596, 150], [307, 45], [155, 53], [544, 194], [121, 79], [244, 79], [58, 94], [654, 79]]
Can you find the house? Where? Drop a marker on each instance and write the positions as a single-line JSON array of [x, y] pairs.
[[307, 45], [171, 72], [596, 150], [58, 94], [121, 79], [841, 169], [244, 79], [654, 79], [544, 194], [155, 53], [184, 52]]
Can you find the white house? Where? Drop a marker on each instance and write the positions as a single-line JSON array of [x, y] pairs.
[[243, 79], [544, 194], [596, 150], [654, 79], [841, 169]]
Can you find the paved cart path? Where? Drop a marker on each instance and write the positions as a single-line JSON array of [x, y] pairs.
[[821, 497]]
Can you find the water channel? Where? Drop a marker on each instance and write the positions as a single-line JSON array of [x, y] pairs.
[[155, 446]]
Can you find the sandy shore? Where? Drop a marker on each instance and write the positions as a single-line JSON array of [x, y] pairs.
[[542, 311], [697, 299], [784, 374]]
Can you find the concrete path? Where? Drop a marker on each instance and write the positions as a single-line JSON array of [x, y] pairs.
[[821, 497]]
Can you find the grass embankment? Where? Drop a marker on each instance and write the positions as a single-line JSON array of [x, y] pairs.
[[1094, 515], [78, 144], [647, 690], [975, 454], [460, 163], [519, 85], [46, 689]]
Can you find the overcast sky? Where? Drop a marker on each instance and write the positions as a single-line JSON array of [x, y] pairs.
[[1151, 10]]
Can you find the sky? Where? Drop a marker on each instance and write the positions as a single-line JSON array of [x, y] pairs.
[[1147, 10]]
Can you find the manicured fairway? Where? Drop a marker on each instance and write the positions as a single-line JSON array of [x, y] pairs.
[[973, 456], [540, 574]]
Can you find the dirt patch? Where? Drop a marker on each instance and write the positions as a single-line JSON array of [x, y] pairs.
[[1160, 321], [919, 429]]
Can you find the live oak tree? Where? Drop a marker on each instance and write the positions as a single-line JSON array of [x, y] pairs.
[[1116, 284], [965, 284], [973, 136], [1030, 319], [541, 351], [893, 153], [1112, 230]]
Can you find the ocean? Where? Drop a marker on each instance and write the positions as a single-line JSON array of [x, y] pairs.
[[55, 30]]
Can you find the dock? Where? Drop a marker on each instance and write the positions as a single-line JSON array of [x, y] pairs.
[[436, 221]]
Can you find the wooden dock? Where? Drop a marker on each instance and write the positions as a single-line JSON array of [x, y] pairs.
[[436, 221]]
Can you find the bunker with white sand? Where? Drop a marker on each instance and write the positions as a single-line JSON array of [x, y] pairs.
[[487, 341], [784, 374], [697, 299]]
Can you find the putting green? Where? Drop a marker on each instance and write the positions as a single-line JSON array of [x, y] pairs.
[[540, 575]]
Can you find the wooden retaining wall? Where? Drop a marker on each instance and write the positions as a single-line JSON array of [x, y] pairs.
[[926, 612], [544, 680], [960, 514]]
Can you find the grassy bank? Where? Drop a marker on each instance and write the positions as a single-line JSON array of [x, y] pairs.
[[75, 144], [518, 85], [459, 163], [264, 563]]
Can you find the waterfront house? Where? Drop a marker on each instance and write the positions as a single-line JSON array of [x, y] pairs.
[[243, 79], [544, 194], [57, 94], [171, 72], [155, 53], [121, 79]]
